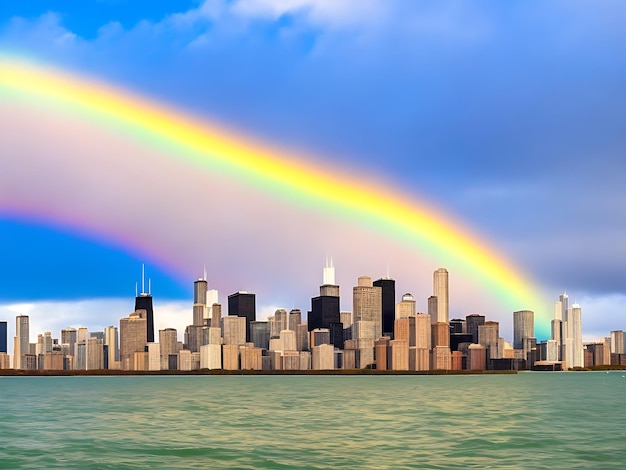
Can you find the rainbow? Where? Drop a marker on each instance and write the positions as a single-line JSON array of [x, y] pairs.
[[209, 146]]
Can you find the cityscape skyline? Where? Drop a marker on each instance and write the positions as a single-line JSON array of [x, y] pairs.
[[485, 116], [360, 331]]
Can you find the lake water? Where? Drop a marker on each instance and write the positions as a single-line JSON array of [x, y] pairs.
[[540, 420]]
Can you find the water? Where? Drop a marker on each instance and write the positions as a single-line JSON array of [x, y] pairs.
[[541, 420]]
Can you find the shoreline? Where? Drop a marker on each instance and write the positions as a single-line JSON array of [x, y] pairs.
[[104, 372]]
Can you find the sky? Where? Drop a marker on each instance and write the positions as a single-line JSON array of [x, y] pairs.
[[507, 117]]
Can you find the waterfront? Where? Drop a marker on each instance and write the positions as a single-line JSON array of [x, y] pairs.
[[541, 420]]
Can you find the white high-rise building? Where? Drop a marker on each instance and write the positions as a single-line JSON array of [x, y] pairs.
[[111, 339], [575, 328], [21, 343], [617, 342], [441, 291]]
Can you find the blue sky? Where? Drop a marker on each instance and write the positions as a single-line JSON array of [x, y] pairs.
[[510, 115]]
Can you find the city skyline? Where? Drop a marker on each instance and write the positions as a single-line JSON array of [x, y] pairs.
[[519, 151], [324, 339]]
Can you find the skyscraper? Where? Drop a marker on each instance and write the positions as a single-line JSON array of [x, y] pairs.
[[132, 337], [440, 290], [21, 345], [472, 322], [325, 308], [388, 287], [243, 304], [575, 329], [367, 304], [143, 301], [523, 327], [3, 337], [111, 340], [199, 301]]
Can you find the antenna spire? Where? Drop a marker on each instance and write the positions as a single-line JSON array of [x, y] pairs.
[[149, 286], [136, 290], [205, 272], [143, 279]]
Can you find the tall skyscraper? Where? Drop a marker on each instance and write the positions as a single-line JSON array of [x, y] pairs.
[[575, 330], [388, 287], [111, 340], [523, 327], [440, 290], [325, 308], [199, 302], [21, 345], [168, 341], [367, 304], [3, 337], [617, 341], [132, 337], [243, 304], [143, 301], [472, 322]]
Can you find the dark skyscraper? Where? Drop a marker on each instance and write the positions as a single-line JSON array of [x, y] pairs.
[[3, 337], [243, 304], [388, 303], [325, 309], [143, 301], [472, 322]]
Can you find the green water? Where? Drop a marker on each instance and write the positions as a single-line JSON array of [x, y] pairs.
[[540, 420]]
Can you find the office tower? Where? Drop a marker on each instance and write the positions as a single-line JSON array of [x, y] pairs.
[[564, 299], [488, 336], [199, 302], [111, 339], [367, 304], [80, 355], [476, 357], [168, 340], [143, 301], [398, 355], [380, 348], [440, 290], [346, 319], [200, 288], [617, 342], [234, 330], [457, 326], [279, 323], [216, 315], [302, 337], [440, 334], [423, 333], [69, 337], [95, 354], [406, 307], [432, 306], [3, 337], [288, 340], [574, 320], [323, 357], [260, 334], [441, 358], [154, 356], [212, 298], [243, 304], [523, 327], [211, 356], [388, 303], [21, 345], [472, 322], [325, 308], [133, 335], [295, 318], [320, 336]]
